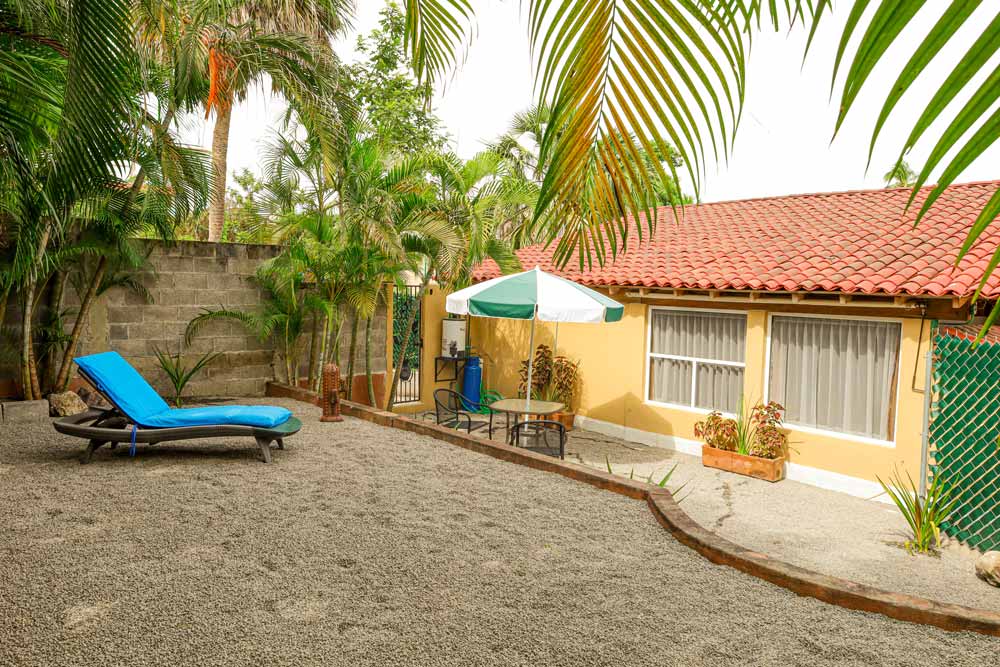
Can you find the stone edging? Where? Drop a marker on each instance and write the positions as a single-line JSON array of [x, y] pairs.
[[833, 590]]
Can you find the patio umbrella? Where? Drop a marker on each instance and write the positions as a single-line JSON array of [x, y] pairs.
[[534, 295]]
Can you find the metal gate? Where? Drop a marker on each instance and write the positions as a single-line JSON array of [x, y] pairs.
[[406, 300], [964, 430]]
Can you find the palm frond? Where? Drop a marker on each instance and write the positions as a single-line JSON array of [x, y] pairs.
[[970, 128], [436, 33]]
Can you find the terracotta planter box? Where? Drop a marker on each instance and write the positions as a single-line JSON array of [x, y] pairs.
[[564, 418], [769, 470]]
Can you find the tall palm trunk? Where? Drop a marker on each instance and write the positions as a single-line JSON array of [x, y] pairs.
[[4, 298], [220, 150], [317, 371], [408, 331], [62, 379], [55, 307], [313, 350], [368, 363], [350, 356], [29, 373]]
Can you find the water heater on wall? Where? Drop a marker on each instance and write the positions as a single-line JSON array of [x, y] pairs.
[[452, 338]]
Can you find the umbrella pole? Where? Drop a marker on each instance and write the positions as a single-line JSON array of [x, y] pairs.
[[555, 343], [531, 362]]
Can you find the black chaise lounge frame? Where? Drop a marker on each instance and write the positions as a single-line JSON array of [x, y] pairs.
[[103, 427]]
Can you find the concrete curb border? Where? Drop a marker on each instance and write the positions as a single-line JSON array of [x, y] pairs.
[[833, 590]]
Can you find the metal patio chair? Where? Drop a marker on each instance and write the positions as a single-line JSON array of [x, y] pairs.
[[540, 431], [453, 410]]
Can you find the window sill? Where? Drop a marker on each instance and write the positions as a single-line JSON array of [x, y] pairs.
[[687, 408], [860, 439]]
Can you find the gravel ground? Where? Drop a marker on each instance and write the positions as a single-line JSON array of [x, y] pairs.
[[369, 546], [826, 531]]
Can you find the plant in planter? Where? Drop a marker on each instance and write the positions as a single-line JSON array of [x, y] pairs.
[[753, 444], [553, 379]]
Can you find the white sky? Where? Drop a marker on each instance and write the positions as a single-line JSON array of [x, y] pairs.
[[783, 145]]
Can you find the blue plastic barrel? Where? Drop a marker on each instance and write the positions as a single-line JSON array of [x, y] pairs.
[[471, 381]]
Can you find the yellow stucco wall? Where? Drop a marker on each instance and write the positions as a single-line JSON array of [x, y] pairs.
[[613, 369]]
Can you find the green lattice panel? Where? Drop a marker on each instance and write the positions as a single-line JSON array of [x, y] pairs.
[[964, 429]]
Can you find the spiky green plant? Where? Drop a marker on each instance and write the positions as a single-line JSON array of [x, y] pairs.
[[923, 515], [178, 372]]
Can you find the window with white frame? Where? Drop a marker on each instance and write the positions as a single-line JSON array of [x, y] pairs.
[[696, 358], [836, 374]]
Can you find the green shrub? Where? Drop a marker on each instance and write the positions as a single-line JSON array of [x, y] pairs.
[[923, 515]]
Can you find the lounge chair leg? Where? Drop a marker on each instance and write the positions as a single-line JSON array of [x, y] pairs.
[[92, 446], [265, 448], [281, 443]]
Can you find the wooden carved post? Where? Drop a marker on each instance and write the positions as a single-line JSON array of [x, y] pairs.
[[331, 394]]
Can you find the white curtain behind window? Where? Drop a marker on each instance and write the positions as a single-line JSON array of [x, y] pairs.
[[696, 339], [835, 374]]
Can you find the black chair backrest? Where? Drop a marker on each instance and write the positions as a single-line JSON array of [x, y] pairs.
[[447, 400]]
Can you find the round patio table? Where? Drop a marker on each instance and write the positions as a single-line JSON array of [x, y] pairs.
[[519, 406]]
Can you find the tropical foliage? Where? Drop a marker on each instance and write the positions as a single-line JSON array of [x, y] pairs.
[[620, 78], [755, 431], [176, 368], [87, 99], [923, 514]]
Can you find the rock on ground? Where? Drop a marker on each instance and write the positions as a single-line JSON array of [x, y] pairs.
[[988, 568], [65, 404]]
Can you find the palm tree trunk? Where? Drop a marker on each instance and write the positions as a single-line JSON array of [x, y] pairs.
[[220, 150], [324, 340], [368, 363], [4, 298], [62, 379], [55, 307], [398, 361], [350, 356], [29, 376], [313, 350]]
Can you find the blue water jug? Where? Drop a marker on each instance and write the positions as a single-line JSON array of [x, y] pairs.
[[471, 381]]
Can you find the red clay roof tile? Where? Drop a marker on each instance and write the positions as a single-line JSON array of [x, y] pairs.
[[858, 241]]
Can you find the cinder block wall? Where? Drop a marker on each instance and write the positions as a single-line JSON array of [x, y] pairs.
[[185, 279]]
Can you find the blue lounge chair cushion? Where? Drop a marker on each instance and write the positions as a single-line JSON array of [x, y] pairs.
[[122, 384], [261, 416]]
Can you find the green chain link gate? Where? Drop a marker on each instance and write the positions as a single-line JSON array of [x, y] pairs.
[[963, 431]]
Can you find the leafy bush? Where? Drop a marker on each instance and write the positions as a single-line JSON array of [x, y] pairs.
[[923, 515], [717, 431], [178, 372], [552, 378]]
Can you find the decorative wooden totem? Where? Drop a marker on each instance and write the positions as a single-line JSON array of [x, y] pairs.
[[331, 394]]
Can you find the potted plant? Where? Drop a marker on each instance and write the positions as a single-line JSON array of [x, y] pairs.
[[753, 444], [555, 379]]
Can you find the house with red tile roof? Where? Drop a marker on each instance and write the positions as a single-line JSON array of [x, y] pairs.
[[826, 303]]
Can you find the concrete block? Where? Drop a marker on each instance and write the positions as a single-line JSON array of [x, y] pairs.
[[118, 332], [159, 314], [19, 412], [211, 265], [191, 281], [122, 315]]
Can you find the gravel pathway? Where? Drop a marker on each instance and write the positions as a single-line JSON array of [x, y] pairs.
[[369, 546], [826, 531]]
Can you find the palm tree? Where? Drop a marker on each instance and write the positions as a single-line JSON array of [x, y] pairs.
[[240, 41], [900, 176], [625, 79], [69, 81], [283, 315], [476, 200]]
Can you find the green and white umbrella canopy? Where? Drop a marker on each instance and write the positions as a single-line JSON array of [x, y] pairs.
[[534, 295]]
